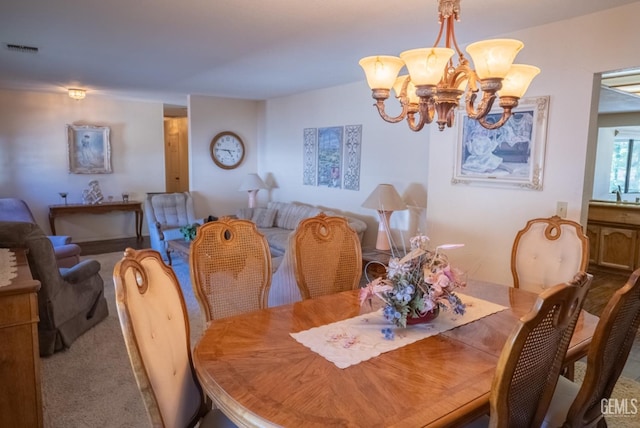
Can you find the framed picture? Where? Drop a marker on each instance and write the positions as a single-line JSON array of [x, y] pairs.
[[89, 149], [512, 155], [331, 157]]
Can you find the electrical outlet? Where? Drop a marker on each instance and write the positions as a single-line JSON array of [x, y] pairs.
[[561, 209]]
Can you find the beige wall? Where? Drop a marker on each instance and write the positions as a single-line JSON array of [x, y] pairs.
[[33, 156], [215, 190]]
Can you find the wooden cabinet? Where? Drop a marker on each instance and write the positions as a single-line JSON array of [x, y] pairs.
[[20, 394], [613, 235]]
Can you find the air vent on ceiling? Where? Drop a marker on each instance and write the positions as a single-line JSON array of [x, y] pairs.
[[21, 48]]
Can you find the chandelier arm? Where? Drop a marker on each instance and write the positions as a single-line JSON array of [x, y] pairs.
[[380, 106], [506, 114], [426, 110], [483, 108], [442, 23], [452, 35]]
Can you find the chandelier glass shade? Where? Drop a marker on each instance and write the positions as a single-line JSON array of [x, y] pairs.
[[434, 85]]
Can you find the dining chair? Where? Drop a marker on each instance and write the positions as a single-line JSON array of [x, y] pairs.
[[155, 326], [548, 251], [576, 405], [327, 256], [532, 358], [230, 267]]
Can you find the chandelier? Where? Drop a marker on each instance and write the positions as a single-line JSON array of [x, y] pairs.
[[434, 86]]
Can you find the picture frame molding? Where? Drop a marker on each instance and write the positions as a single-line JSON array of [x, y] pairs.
[[539, 106], [95, 158]]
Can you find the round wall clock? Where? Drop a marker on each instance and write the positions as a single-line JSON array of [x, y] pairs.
[[227, 150]]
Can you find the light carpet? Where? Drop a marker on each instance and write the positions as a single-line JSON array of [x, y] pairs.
[[92, 384]]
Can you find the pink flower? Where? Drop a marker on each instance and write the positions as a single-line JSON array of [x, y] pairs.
[[374, 288]]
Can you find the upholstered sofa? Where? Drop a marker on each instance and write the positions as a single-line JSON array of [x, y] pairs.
[[70, 300], [278, 219], [166, 213], [67, 254]]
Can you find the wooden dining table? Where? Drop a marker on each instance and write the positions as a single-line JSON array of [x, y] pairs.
[[259, 375]]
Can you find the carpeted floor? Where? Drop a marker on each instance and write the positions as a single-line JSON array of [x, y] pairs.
[[92, 385]]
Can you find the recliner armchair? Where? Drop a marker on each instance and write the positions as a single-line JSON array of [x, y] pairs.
[[67, 254], [70, 300], [166, 213]]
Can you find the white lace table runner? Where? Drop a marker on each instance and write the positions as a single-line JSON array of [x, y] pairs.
[[351, 341], [8, 266]]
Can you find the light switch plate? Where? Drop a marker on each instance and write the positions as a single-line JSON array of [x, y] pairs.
[[561, 209]]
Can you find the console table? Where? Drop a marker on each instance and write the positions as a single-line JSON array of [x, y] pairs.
[[105, 207]]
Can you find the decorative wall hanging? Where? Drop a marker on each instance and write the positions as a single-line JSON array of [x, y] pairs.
[[512, 155], [89, 149], [331, 157]]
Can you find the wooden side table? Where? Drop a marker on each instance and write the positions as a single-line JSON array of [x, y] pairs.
[[20, 394], [370, 256]]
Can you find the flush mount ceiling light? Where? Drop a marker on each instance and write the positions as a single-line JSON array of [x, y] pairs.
[[434, 85], [77, 94]]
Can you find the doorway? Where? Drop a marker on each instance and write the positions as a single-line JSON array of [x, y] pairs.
[[176, 149]]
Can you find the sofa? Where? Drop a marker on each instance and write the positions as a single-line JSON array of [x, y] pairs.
[[70, 300], [277, 220], [67, 254]]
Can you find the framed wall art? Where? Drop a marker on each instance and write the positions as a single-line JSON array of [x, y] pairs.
[[331, 157], [512, 155], [89, 149]]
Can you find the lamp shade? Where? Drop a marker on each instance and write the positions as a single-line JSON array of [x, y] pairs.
[[385, 197], [252, 182], [381, 70], [426, 65], [493, 58], [517, 80]]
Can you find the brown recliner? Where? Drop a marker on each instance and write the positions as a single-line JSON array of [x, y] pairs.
[[70, 300]]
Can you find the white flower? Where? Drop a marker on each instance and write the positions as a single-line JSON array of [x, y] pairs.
[[397, 267]]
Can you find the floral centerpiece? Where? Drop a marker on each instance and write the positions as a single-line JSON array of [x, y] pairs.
[[419, 284]]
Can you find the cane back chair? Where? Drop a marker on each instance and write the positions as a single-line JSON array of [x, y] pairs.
[[532, 358], [327, 256], [230, 267], [580, 405]]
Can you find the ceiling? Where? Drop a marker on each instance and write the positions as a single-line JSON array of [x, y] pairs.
[[162, 50]]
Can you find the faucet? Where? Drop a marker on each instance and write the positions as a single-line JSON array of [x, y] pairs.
[[619, 194]]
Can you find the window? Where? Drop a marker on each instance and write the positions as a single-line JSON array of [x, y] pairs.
[[625, 165]]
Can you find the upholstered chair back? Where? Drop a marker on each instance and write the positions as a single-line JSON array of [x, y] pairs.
[[548, 251], [166, 213], [533, 356], [155, 327], [327, 256], [173, 209], [230, 267]]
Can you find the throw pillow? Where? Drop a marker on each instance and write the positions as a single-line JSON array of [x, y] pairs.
[[264, 217], [245, 213]]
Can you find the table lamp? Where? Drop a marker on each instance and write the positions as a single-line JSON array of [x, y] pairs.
[[385, 199], [252, 184]]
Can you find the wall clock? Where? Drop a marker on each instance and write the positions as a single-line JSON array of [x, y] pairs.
[[227, 150]]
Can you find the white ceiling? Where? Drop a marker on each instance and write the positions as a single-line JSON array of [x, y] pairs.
[[162, 50]]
